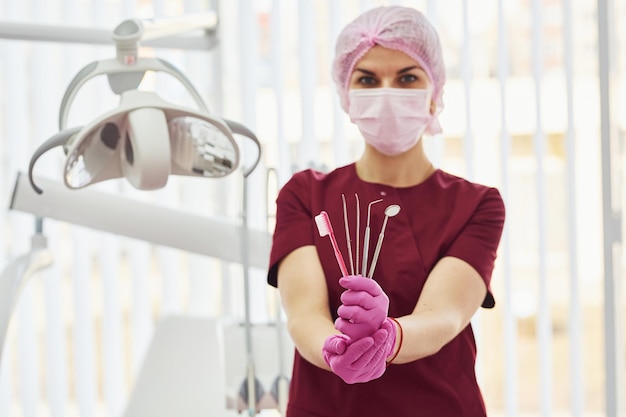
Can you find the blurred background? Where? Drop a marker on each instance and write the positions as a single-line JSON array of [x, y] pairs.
[[535, 104]]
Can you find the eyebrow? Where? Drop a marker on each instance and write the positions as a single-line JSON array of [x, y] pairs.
[[407, 69], [402, 71]]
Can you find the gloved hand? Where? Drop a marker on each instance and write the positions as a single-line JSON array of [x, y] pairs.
[[362, 360], [364, 307]]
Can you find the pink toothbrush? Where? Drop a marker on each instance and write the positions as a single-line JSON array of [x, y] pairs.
[[326, 229]]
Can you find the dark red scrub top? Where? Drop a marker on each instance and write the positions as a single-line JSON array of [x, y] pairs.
[[443, 216]]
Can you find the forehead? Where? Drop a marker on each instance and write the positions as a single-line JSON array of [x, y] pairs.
[[381, 58]]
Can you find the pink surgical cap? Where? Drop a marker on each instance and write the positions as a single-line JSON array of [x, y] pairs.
[[394, 27]]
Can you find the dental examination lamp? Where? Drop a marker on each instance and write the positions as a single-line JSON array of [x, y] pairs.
[[146, 138]]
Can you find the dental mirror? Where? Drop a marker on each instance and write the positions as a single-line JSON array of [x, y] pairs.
[[390, 211]]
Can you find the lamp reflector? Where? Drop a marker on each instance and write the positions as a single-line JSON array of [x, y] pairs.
[[200, 147]]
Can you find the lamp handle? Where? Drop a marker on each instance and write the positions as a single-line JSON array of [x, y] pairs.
[[240, 129]]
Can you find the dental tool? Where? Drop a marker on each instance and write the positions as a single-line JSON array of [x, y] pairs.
[[366, 238], [348, 239], [326, 229], [358, 227], [390, 211]]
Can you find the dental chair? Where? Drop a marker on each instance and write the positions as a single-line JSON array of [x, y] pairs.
[[197, 367], [183, 371], [17, 274]]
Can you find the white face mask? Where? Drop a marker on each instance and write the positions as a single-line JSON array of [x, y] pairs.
[[392, 120]]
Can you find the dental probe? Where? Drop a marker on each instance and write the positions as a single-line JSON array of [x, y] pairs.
[[358, 227], [366, 238], [345, 222]]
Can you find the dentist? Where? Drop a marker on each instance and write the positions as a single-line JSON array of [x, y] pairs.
[[400, 344]]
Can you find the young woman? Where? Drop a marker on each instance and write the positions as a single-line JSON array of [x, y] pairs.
[[400, 343]]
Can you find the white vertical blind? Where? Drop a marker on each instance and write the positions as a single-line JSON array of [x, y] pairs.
[[435, 148], [340, 147], [55, 342], [141, 310], [544, 325], [283, 156], [509, 328], [308, 148], [613, 345], [577, 393], [85, 377], [112, 362], [466, 75]]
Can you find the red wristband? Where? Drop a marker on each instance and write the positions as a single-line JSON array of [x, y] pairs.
[[399, 344]]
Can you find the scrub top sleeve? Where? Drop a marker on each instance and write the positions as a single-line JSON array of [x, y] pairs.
[[294, 223], [477, 244]]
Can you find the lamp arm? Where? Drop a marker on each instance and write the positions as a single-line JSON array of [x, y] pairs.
[[171, 26], [129, 33]]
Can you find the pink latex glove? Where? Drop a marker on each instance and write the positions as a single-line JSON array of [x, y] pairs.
[[364, 307], [364, 359]]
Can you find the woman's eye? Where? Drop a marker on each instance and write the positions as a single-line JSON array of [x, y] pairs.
[[408, 78], [367, 81]]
